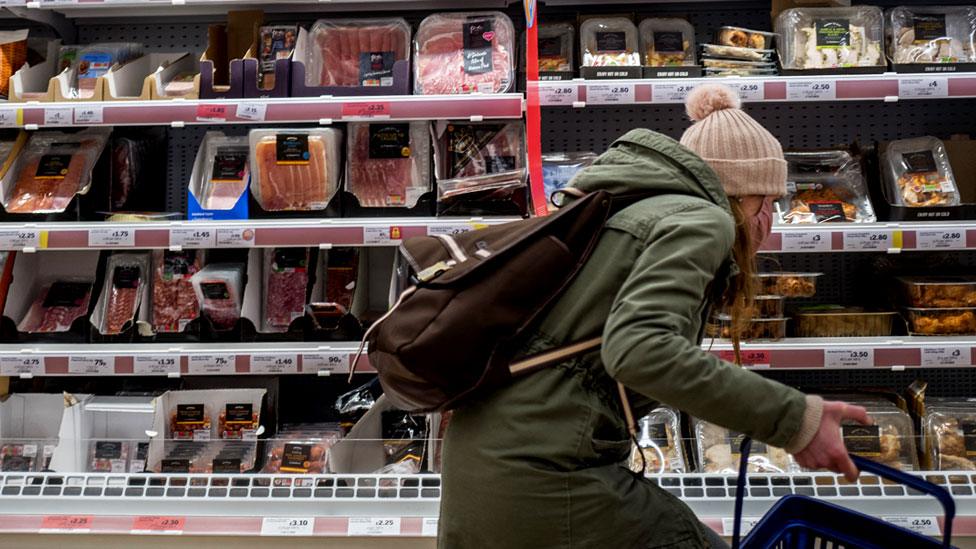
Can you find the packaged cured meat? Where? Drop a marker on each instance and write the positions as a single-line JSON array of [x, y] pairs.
[[219, 287], [939, 291], [388, 164], [94, 61], [295, 169], [174, 302], [659, 449], [841, 321], [609, 42], [932, 34], [559, 168], [109, 456], [941, 321], [556, 45], [190, 422], [221, 171], [709, 71], [53, 167], [352, 406], [18, 457], [476, 156], [825, 186], [13, 56], [138, 180], [464, 53], [889, 440], [718, 452], [827, 38], [125, 278], [57, 306], [740, 37], [274, 43], [737, 64], [356, 52], [340, 267], [285, 286], [667, 42], [949, 434], [918, 174], [181, 85], [301, 448]]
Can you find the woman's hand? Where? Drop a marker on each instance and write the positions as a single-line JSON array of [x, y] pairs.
[[827, 450]]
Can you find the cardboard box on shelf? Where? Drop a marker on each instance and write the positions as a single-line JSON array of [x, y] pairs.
[[222, 64], [134, 80], [32, 83]]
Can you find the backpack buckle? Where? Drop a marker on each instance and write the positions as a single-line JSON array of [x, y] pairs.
[[435, 270]]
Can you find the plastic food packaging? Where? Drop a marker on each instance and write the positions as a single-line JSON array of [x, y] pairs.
[[659, 441], [667, 42], [301, 448], [718, 452], [768, 329], [949, 434], [57, 306], [274, 43], [341, 267], [353, 405], [939, 291], [95, 60], [918, 174], [53, 167], [740, 37], [13, 56], [827, 38], [890, 440], [181, 85], [127, 157], [295, 169], [732, 52], [932, 34], [388, 164], [789, 284], [221, 171], [109, 456], [559, 168], [219, 287], [825, 186], [609, 42], [356, 52], [174, 303], [125, 277], [941, 321], [238, 421], [477, 156], [285, 286], [464, 53], [190, 422], [404, 441], [839, 321], [223, 457], [18, 457], [737, 64], [710, 71], [556, 45]]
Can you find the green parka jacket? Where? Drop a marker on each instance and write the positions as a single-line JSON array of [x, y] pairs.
[[541, 463]]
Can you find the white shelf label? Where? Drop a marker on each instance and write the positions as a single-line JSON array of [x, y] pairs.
[[849, 358], [211, 364], [748, 523], [253, 111], [562, 94], [111, 238], [946, 239], [235, 238], [283, 526], [450, 229], [429, 528], [751, 91], [326, 362], [946, 356], [91, 365], [9, 118], [670, 93], [928, 86], [372, 526], [609, 94], [156, 364], [20, 239], [274, 364], [17, 365], [869, 240], [58, 116], [925, 525], [806, 241], [193, 238], [811, 90], [88, 115], [382, 235]]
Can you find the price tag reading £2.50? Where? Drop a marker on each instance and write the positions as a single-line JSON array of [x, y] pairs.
[[751, 91], [925, 525], [811, 90]]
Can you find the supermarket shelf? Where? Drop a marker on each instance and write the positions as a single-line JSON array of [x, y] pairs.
[[323, 233], [887, 87], [891, 237], [322, 110], [151, 8]]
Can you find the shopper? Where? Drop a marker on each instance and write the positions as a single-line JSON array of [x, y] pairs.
[[541, 462]]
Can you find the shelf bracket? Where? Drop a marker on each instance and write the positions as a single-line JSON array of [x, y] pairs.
[[62, 25]]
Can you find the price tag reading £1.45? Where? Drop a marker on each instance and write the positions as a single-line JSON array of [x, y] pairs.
[[193, 238]]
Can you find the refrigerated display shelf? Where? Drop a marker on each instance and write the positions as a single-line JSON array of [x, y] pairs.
[[143, 8], [891, 237]]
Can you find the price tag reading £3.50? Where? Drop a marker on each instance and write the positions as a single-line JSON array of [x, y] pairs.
[[849, 358]]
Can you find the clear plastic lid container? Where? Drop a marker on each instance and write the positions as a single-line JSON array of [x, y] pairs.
[[732, 52], [126, 275], [789, 284], [356, 52], [932, 34], [739, 72], [388, 164], [286, 276], [667, 42], [219, 288], [918, 174], [558, 169], [57, 305], [949, 434], [609, 42], [941, 321], [765, 329], [718, 452], [659, 441], [890, 440], [741, 37], [939, 291], [301, 449], [174, 303], [464, 53], [840, 321], [827, 38], [825, 186], [295, 169], [736, 64], [221, 171], [556, 47], [478, 156]]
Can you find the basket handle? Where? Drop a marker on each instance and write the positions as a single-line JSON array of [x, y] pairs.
[[863, 465]]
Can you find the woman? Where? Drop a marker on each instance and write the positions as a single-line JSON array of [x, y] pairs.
[[540, 463]]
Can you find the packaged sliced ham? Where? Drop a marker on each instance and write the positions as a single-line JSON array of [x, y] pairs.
[[53, 167], [295, 169], [125, 278], [285, 286], [57, 306], [174, 302], [477, 156], [356, 52], [388, 164], [221, 171], [918, 173], [341, 266], [219, 288], [464, 53], [609, 42]]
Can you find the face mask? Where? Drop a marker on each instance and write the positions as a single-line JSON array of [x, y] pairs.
[[761, 224]]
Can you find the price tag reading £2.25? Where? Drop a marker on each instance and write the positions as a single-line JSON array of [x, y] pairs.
[[20, 239], [112, 238], [946, 239], [363, 526], [849, 358], [811, 90], [559, 94], [609, 94]]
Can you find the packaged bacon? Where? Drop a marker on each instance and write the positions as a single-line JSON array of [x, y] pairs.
[[219, 287], [388, 164], [174, 303], [57, 306], [477, 156], [53, 167], [295, 169], [464, 53], [285, 286], [126, 275], [221, 171], [356, 52]]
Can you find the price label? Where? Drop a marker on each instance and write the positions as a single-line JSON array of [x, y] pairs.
[[951, 239], [379, 109], [326, 362], [849, 358], [450, 229], [752, 91], [235, 238], [671, 93], [212, 113], [806, 241], [158, 525], [274, 364], [252, 111], [211, 364], [10, 118], [871, 240], [88, 115], [749, 357], [609, 94], [382, 236], [156, 364], [74, 524], [811, 90], [281, 526], [17, 365], [91, 365], [363, 526], [20, 239], [193, 238], [946, 356], [561, 94], [925, 525], [931, 86], [429, 527], [58, 116], [111, 238], [748, 523]]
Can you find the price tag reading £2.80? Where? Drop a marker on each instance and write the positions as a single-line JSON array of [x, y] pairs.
[[871, 240], [609, 94], [946, 239], [811, 90], [670, 93], [559, 94]]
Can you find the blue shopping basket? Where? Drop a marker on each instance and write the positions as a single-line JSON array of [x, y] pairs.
[[801, 522]]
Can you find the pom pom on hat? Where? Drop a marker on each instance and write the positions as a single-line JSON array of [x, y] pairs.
[[708, 98]]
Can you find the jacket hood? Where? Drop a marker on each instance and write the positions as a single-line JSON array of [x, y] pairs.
[[646, 161]]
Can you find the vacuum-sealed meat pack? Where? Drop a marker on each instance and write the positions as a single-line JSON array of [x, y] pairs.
[[295, 169], [388, 164], [477, 156], [464, 53], [356, 52], [174, 302], [125, 278], [219, 288], [57, 306], [285, 286]]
